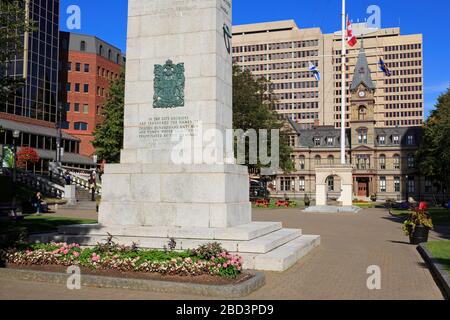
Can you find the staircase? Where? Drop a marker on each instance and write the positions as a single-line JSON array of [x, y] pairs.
[[263, 245], [47, 187]]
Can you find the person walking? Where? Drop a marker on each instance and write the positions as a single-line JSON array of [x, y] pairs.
[[93, 185], [68, 179], [37, 203]]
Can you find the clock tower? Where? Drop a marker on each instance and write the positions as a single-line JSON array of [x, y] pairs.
[[362, 104]]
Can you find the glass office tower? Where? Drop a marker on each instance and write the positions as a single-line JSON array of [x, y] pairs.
[[38, 64]]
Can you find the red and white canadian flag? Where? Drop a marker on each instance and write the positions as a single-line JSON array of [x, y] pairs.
[[351, 38]]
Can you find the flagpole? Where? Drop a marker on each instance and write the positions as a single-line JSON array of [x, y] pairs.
[[344, 83]]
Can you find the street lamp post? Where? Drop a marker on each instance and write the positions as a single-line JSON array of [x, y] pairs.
[[16, 136], [59, 135], [407, 191]]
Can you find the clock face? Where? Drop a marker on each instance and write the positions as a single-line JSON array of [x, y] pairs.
[[362, 94]]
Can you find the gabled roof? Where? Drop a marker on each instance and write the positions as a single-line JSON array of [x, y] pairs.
[[362, 73]]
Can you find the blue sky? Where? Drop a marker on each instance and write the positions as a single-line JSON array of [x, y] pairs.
[[107, 20]]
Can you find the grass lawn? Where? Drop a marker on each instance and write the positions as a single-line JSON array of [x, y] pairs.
[[441, 216], [35, 224], [441, 251]]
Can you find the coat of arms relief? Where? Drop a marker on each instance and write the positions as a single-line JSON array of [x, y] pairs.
[[169, 85]]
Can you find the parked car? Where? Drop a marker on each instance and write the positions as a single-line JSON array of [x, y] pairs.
[[258, 190]]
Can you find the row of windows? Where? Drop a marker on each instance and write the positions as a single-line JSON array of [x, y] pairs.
[[406, 55], [412, 105], [276, 46], [289, 184], [102, 72], [298, 95], [414, 46], [77, 126], [85, 110], [403, 89], [404, 114], [77, 87], [409, 122], [101, 92], [296, 106], [301, 116], [402, 80], [38, 141], [402, 64], [404, 97]]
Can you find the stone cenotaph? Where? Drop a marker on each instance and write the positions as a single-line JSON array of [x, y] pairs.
[[179, 83]]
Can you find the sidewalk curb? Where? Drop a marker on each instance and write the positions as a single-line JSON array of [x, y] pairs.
[[216, 291], [439, 273]]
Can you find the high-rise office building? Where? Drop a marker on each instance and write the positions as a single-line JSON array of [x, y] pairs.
[[87, 67], [38, 65], [33, 109], [283, 53]]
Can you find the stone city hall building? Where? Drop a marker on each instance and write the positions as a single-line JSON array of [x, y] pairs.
[[383, 159], [384, 114]]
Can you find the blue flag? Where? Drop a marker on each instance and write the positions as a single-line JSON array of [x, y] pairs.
[[314, 70], [384, 68]]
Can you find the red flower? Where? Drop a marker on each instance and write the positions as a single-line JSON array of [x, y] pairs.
[[27, 155]]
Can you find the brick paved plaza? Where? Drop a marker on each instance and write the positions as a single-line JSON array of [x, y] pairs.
[[335, 270]]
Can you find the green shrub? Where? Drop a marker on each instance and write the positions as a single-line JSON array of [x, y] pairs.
[[207, 251]]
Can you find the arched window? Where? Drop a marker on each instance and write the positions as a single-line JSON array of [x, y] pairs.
[[83, 46], [397, 162], [118, 58], [100, 50], [318, 160], [362, 113], [330, 160], [382, 162], [109, 54], [302, 162]]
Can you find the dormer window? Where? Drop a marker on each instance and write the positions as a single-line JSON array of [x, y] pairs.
[[410, 140], [382, 140], [330, 141], [396, 140], [317, 142]]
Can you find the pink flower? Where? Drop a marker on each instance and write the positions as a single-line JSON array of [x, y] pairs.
[[76, 254], [66, 252], [225, 265], [95, 257], [213, 258]]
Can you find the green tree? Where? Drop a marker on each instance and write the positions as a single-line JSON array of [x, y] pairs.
[[108, 137], [253, 109], [13, 25], [433, 156]]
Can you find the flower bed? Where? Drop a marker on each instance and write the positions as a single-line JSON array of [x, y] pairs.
[[206, 260]]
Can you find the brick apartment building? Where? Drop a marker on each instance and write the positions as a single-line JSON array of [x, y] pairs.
[[87, 66]]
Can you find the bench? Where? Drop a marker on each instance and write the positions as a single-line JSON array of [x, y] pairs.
[[7, 210]]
